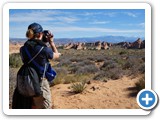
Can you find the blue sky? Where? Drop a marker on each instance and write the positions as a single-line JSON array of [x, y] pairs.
[[75, 23]]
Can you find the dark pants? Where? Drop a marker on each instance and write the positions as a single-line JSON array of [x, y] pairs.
[[21, 102]]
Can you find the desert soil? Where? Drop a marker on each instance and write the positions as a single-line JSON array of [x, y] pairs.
[[114, 94], [14, 48]]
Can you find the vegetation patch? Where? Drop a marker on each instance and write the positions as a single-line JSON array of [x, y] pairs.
[[78, 87], [140, 84], [15, 60]]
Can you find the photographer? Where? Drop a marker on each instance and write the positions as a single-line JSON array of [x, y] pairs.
[[35, 35]]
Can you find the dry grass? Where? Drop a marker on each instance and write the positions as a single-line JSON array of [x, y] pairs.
[[78, 87]]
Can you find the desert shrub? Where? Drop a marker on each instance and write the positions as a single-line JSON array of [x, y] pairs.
[[87, 62], [140, 84], [92, 58], [122, 52], [15, 60], [87, 69], [133, 61], [59, 79], [109, 65], [114, 74], [119, 61], [81, 63], [101, 75], [135, 65], [61, 73], [78, 87], [64, 63], [64, 79], [75, 59], [100, 58], [80, 77], [73, 69], [12, 77], [128, 65], [69, 79], [142, 69], [61, 70]]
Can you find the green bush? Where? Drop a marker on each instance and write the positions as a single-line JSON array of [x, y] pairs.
[[128, 65], [61, 70], [64, 63], [69, 79], [142, 68], [122, 52], [88, 69], [109, 65], [114, 74], [59, 79], [15, 60], [102, 75], [78, 87], [140, 84]]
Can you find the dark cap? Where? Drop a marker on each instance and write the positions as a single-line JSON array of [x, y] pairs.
[[37, 28]]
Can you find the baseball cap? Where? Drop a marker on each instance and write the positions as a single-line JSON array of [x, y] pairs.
[[37, 28]]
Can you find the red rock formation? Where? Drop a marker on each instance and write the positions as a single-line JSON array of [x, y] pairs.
[[98, 45], [68, 46], [104, 45], [136, 44]]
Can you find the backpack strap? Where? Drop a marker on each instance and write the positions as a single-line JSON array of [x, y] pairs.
[[32, 58], [45, 68], [35, 55]]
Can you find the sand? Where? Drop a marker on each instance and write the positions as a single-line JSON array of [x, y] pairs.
[[114, 94]]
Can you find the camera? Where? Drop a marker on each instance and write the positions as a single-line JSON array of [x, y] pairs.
[[46, 35]]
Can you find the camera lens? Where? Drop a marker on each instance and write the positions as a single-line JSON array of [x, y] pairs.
[[45, 36]]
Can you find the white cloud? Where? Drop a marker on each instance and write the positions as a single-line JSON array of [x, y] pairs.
[[99, 22], [90, 13], [141, 25], [67, 19], [43, 16], [130, 14], [39, 15]]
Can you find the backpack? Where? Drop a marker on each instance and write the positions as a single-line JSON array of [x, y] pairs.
[[28, 81]]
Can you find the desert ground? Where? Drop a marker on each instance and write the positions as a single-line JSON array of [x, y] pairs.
[[119, 94]]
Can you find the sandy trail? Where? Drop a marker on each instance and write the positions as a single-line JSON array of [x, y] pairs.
[[114, 94]]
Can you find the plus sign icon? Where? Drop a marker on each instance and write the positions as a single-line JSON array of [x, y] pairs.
[[147, 99]]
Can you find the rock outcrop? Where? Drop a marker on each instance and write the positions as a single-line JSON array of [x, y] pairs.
[[98, 45], [83, 46], [138, 44], [104, 46]]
